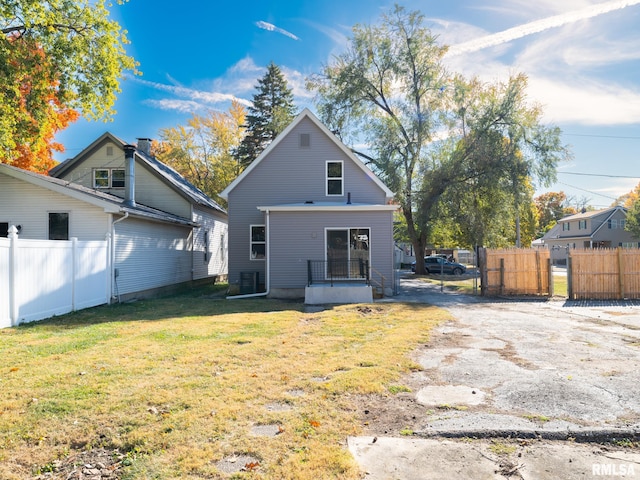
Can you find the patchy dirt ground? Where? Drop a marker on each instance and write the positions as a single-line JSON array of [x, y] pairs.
[[94, 464]]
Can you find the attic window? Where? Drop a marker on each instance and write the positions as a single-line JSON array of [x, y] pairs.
[[305, 140], [110, 151], [108, 178]]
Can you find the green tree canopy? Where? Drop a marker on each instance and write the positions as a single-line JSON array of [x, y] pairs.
[[85, 57], [428, 131], [272, 111]]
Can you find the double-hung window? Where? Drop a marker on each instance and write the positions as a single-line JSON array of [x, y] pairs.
[[335, 178], [258, 244], [108, 178], [582, 224]]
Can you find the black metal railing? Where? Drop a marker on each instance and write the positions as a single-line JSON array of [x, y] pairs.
[[331, 271]]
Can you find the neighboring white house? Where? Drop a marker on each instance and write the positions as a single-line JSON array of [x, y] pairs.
[[163, 230], [308, 219]]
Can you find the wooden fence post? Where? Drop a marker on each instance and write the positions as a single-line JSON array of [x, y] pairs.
[[569, 277], [621, 273], [539, 272], [482, 265], [502, 276], [550, 273]]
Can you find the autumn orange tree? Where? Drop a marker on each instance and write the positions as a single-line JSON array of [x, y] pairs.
[[58, 59], [32, 107]]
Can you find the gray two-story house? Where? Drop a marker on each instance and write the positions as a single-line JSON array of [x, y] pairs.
[[594, 229], [308, 219]]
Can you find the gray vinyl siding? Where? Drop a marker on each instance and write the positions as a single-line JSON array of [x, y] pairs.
[[298, 236], [25, 204], [150, 255], [216, 260], [290, 174]]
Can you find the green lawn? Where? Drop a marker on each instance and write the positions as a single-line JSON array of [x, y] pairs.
[[177, 384]]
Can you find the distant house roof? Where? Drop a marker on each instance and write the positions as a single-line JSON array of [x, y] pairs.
[[110, 203], [168, 174], [591, 214], [306, 113]]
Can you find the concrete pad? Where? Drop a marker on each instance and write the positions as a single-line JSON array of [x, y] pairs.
[[411, 458], [437, 395]]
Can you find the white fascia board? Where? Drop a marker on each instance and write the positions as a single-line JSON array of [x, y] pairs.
[[329, 208]]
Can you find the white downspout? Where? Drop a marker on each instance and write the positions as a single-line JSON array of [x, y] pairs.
[[267, 281], [113, 252]]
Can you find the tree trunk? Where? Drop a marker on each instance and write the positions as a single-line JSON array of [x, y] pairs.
[[419, 247]]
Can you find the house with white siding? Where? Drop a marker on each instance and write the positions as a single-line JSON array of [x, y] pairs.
[[163, 231], [308, 219]]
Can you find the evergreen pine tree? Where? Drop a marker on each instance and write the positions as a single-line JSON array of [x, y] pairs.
[[272, 111]]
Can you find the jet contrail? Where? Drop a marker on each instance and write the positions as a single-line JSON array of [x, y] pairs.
[[539, 26], [273, 28]]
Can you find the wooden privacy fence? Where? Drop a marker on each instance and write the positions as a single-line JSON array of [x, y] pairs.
[[603, 274], [515, 271]]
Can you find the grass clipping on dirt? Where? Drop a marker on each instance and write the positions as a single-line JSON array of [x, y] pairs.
[[179, 384]]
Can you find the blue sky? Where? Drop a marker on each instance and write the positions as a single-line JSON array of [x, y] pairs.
[[582, 58]]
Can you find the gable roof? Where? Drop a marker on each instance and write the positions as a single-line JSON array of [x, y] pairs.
[[592, 213], [161, 170], [306, 113], [109, 203]]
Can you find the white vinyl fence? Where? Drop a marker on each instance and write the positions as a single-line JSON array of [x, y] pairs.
[[43, 278]]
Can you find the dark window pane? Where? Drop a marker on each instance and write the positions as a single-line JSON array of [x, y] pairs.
[[257, 234], [58, 226], [117, 178], [334, 170], [334, 187], [4, 229]]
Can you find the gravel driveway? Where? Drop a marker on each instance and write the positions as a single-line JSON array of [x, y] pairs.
[[539, 371]]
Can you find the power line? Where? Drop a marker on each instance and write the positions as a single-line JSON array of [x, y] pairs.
[[600, 136], [588, 191], [598, 175]]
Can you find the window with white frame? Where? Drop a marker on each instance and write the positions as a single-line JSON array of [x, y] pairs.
[[335, 178], [582, 224], [566, 226], [613, 223], [258, 244], [108, 178], [346, 251]]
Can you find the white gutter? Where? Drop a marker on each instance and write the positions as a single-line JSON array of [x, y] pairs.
[[267, 281], [113, 252]]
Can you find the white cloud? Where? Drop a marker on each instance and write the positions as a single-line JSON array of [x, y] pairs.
[[272, 28], [195, 99], [539, 26], [585, 102], [183, 106]]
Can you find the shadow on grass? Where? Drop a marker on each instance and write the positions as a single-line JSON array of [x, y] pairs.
[[208, 300]]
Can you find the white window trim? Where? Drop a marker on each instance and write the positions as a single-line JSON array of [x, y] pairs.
[[327, 178], [251, 243], [109, 177]]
